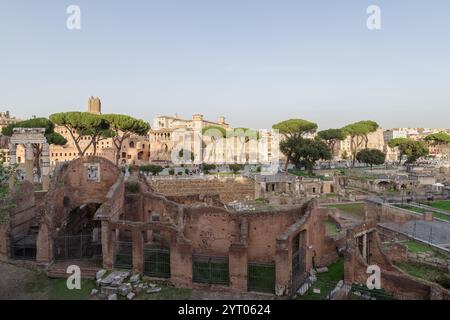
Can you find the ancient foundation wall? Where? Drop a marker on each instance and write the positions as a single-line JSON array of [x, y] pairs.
[[228, 189]]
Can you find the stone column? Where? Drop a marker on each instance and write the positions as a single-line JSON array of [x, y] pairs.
[[364, 253], [238, 266], [13, 153], [12, 161], [138, 251], [107, 246], [29, 165], [45, 167]]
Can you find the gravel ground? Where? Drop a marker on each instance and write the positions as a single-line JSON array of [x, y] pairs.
[[13, 282]]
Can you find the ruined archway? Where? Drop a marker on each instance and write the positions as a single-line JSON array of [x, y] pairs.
[[68, 224]]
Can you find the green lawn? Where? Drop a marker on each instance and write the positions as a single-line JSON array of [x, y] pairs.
[[410, 208], [422, 211], [355, 209], [418, 247], [425, 272], [326, 282], [441, 216], [56, 289], [168, 293], [443, 204], [331, 228]]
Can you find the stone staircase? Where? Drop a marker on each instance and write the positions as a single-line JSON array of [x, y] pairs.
[[59, 269]]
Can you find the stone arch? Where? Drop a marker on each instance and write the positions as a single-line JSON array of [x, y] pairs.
[[84, 181]]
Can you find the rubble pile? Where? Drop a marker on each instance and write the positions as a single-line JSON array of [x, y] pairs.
[[121, 284]]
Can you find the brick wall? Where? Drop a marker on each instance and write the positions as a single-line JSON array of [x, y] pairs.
[[228, 189]]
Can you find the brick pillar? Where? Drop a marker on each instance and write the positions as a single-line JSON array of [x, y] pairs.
[[107, 246], [4, 243], [283, 267], [45, 167], [29, 165], [138, 251], [181, 263], [44, 246], [238, 267]]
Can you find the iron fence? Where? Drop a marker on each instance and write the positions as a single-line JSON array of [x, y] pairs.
[[23, 247], [261, 277], [298, 269], [123, 255], [156, 262], [68, 247], [333, 290], [210, 270]]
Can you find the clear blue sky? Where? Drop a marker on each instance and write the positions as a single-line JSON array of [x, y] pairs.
[[254, 61]]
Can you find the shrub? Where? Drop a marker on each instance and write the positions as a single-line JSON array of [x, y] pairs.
[[208, 167], [132, 187], [171, 171], [153, 169], [236, 167], [444, 280]]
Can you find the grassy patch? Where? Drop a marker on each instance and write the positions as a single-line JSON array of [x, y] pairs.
[[419, 210], [418, 247], [305, 174], [410, 208], [443, 205], [331, 228], [355, 209], [326, 282], [168, 293], [423, 271], [441, 216], [39, 283], [58, 290]]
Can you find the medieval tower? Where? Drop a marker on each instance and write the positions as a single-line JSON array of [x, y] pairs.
[[94, 105]]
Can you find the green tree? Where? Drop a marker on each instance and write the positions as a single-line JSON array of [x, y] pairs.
[[305, 151], [214, 131], [5, 202], [331, 137], [358, 133], [50, 134], [371, 157], [84, 124], [153, 169], [206, 167], [123, 127], [292, 130], [235, 167], [184, 154], [413, 150], [438, 138]]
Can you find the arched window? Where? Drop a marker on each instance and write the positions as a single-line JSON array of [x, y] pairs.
[[132, 145]]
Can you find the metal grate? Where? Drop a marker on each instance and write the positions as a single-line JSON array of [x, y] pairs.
[[210, 270], [69, 247], [261, 277], [156, 262], [124, 255], [23, 247]]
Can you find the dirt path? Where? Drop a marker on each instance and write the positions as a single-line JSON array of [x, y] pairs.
[[13, 283]]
